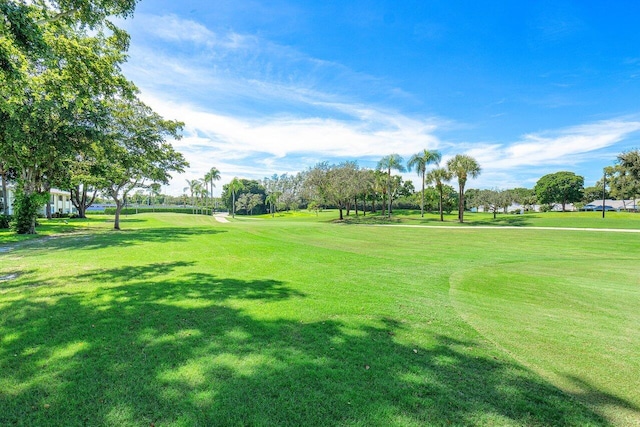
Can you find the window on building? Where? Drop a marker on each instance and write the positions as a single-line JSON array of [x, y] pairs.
[[59, 198]]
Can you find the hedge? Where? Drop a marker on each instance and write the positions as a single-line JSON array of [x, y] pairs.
[[133, 211]]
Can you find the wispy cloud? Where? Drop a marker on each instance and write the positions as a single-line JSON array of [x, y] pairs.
[[293, 143], [560, 147], [253, 108]]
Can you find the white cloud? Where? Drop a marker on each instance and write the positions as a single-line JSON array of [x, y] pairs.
[[253, 108], [561, 147], [260, 147]]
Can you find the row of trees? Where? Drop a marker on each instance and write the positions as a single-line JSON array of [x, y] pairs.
[[621, 182], [68, 116], [201, 191], [347, 186]]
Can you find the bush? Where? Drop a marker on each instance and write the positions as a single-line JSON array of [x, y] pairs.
[[5, 221], [26, 211], [133, 211]]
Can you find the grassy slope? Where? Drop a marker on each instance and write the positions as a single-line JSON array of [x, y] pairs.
[[180, 320]]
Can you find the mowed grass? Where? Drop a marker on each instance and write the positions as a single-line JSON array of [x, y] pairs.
[[294, 320]]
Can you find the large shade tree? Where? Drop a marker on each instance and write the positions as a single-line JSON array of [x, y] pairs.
[[559, 187], [419, 163], [387, 163], [136, 153], [59, 64], [335, 185], [463, 167]]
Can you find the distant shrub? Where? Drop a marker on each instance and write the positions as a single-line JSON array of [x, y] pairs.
[[5, 221], [133, 211]]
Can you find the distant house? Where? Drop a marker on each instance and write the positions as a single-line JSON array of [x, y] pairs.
[[557, 207], [613, 205], [60, 202]]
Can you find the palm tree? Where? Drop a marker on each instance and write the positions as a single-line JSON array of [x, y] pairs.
[[272, 199], [462, 166], [392, 161], [192, 184], [631, 162], [212, 175], [196, 189], [439, 176], [234, 186], [420, 161]]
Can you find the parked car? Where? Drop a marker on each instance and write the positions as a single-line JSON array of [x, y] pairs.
[[606, 208]]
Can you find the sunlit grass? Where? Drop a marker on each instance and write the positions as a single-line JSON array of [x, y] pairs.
[[297, 320]]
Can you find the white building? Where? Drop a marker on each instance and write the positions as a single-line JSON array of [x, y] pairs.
[[60, 202], [613, 205]]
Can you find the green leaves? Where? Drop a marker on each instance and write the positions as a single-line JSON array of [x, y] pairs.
[[560, 187]]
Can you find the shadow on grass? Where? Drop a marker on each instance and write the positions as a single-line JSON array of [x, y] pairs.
[[113, 238], [502, 220], [180, 352]]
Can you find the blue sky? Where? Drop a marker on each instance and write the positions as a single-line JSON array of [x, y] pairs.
[[264, 87]]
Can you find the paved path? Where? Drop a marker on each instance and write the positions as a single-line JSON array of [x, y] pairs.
[[509, 227], [221, 217]]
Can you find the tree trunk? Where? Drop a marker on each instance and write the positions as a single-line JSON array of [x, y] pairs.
[[5, 202], [341, 218], [233, 207], [422, 199], [389, 192], [47, 188], [116, 221], [461, 204], [441, 216]]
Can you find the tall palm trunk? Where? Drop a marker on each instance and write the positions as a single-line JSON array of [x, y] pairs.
[[422, 199], [461, 203], [441, 216], [389, 191]]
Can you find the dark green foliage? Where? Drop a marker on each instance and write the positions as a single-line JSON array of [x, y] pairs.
[[5, 221], [560, 187], [249, 186], [26, 211], [630, 161], [594, 193], [133, 211]]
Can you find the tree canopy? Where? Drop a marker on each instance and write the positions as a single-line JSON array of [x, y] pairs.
[[560, 187], [68, 116]]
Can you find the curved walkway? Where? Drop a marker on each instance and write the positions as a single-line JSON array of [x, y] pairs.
[[509, 227], [221, 217]]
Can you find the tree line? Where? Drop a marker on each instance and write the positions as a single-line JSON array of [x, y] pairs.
[[348, 187]]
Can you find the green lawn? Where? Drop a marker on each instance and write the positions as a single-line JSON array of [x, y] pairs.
[[296, 320]]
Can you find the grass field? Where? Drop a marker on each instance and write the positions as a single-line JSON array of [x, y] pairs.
[[296, 320]]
